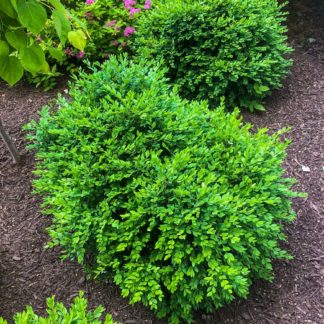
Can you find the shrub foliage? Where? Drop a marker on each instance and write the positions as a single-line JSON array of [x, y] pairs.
[[216, 48], [182, 206], [58, 313]]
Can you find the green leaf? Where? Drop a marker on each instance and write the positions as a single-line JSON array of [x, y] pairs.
[[32, 15], [77, 39], [62, 25], [14, 4], [45, 68], [7, 8], [260, 89], [4, 48], [17, 38], [109, 319], [3, 321], [58, 6], [259, 107], [56, 53], [10, 69], [32, 58]]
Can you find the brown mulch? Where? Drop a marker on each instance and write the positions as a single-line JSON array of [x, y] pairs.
[[29, 273]]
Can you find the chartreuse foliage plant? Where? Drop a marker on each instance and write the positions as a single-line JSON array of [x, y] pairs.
[[58, 313], [182, 206], [22, 47], [216, 48]]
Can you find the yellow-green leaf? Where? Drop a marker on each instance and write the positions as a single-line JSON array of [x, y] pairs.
[[17, 38], [10, 69], [32, 58], [78, 39], [4, 48], [32, 15]]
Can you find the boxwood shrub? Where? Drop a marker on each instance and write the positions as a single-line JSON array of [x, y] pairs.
[[58, 313], [182, 206], [216, 48]]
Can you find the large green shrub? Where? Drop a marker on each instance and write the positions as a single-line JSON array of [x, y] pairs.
[[59, 314], [216, 48], [183, 207]]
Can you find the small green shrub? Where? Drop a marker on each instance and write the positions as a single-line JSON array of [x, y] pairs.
[[216, 48], [182, 206], [58, 313]]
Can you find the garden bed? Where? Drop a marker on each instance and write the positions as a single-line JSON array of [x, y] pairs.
[[29, 273]]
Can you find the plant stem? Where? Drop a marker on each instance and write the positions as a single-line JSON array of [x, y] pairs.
[[9, 143]]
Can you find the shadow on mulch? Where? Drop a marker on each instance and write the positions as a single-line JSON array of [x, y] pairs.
[[29, 273]]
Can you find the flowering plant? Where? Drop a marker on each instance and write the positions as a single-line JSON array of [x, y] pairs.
[[107, 26], [110, 24], [26, 47]]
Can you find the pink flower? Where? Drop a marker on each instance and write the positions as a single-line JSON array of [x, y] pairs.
[[115, 42], [133, 11], [89, 15], [129, 3], [39, 39], [80, 55], [129, 31], [148, 4], [110, 23], [90, 2], [68, 51]]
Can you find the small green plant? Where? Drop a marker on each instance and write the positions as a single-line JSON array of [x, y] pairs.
[[182, 206], [216, 48], [24, 47], [58, 313]]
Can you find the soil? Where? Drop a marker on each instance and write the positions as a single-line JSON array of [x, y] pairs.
[[29, 273]]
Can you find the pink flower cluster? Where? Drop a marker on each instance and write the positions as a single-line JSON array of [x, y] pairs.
[[148, 5], [133, 11], [129, 31], [129, 4], [89, 15], [78, 55], [110, 23]]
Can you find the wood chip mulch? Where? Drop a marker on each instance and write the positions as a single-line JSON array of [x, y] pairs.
[[29, 273]]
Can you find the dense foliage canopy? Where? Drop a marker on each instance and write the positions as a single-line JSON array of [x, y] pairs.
[[216, 48], [182, 206]]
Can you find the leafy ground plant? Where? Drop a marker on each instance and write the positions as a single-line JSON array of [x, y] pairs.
[[216, 48], [182, 206], [58, 313]]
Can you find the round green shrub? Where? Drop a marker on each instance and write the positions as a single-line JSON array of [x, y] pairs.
[[182, 206], [216, 48]]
